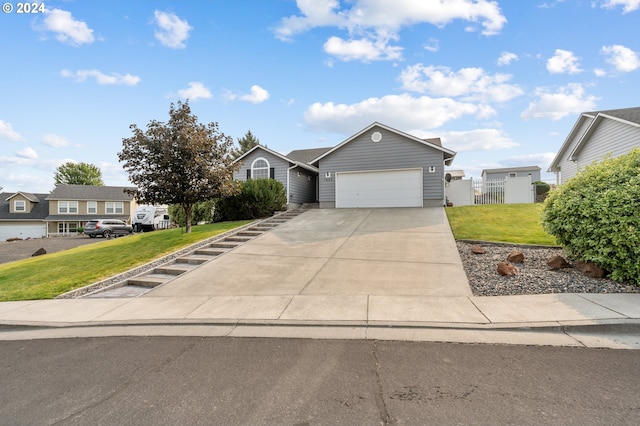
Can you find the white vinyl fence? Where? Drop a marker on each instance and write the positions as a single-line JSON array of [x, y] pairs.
[[467, 192]]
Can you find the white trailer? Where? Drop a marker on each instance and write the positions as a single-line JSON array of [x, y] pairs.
[[149, 218]]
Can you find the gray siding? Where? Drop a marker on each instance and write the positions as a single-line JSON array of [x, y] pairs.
[[393, 152], [280, 166], [535, 175], [303, 187], [610, 137], [568, 169]]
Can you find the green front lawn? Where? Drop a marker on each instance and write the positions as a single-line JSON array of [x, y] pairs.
[[511, 223], [48, 276]]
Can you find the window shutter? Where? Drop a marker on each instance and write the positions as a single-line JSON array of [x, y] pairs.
[[248, 173], [272, 173]]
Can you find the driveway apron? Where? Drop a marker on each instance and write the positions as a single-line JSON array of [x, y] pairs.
[[334, 255]]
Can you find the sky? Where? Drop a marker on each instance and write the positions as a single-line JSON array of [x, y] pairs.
[[500, 82]]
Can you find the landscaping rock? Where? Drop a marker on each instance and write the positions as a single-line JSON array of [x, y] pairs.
[[516, 257], [39, 252], [477, 250], [558, 262], [590, 270], [506, 269]]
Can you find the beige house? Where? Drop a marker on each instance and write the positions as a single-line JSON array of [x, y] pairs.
[[63, 211]]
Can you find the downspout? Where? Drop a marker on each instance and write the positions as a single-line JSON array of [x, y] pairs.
[[288, 181]]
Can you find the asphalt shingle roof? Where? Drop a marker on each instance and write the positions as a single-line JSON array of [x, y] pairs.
[[39, 211], [88, 192]]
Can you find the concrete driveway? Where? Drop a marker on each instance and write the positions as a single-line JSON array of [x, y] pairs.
[[337, 264]]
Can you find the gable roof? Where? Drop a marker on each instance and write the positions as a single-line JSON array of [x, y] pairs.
[[90, 192], [630, 116], [39, 211], [291, 161], [448, 154], [307, 155], [31, 197]]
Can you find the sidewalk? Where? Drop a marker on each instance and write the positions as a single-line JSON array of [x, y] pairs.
[[388, 274]]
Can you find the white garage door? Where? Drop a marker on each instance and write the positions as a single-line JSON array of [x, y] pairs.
[[22, 231], [388, 188]]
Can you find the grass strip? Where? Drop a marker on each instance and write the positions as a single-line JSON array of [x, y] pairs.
[[510, 223], [45, 277]]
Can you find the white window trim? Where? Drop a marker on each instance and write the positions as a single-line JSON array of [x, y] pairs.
[[21, 202], [68, 205], [114, 206], [268, 168], [93, 204]]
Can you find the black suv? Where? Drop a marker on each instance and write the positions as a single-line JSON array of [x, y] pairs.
[[107, 228]]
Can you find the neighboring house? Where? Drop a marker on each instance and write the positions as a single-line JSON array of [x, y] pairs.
[[377, 167], [512, 172], [594, 136], [455, 174], [63, 211], [70, 206], [22, 215]]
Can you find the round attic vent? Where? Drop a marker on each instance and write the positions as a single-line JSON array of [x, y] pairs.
[[376, 137]]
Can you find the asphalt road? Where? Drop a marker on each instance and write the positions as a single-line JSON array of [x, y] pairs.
[[226, 381], [11, 251]]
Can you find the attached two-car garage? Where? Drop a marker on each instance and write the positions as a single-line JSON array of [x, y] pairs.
[[22, 230], [380, 188]]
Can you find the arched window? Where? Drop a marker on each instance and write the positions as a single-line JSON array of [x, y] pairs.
[[260, 169]]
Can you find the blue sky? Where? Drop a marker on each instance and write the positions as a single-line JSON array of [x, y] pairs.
[[501, 82]]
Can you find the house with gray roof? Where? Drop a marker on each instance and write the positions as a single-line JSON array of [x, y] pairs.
[[61, 212], [377, 167], [512, 172], [594, 136]]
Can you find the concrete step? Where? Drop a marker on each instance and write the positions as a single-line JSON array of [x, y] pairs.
[[174, 269], [150, 280], [194, 259], [124, 291], [211, 251], [225, 244], [249, 233], [238, 238]]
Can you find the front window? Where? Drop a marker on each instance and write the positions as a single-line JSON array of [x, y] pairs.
[[20, 206], [67, 227], [92, 207], [260, 169], [70, 207], [114, 208]]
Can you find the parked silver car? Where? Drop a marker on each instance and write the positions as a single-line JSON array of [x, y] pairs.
[[107, 228]]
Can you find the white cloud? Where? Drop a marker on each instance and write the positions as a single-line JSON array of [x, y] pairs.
[[55, 141], [67, 29], [195, 91], [7, 132], [433, 45], [543, 160], [599, 72], [101, 78], [400, 111], [621, 57], [628, 5], [473, 84], [364, 49], [390, 16], [506, 58], [28, 153], [562, 62], [172, 31], [570, 99], [257, 95], [476, 140]]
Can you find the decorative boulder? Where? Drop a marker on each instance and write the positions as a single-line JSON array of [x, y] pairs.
[[558, 262], [506, 269], [516, 257], [590, 270], [477, 250], [39, 252]]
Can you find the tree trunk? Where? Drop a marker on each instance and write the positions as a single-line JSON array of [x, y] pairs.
[[188, 211]]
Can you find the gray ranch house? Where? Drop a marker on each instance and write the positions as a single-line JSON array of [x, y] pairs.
[[377, 167], [594, 136], [512, 172]]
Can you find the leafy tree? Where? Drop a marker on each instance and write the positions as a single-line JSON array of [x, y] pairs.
[[246, 142], [71, 173], [202, 212], [257, 198], [179, 162], [595, 216]]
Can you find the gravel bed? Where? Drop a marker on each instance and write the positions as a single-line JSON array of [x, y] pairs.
[[533, 276]]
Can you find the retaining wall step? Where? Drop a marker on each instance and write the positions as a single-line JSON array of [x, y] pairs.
[[211, 251], [225, 244], [174, 269], [249, 233], [150, 280], [238, 238], [193, 259]]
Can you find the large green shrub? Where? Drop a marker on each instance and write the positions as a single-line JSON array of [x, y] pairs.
[[596, 216], [257, 198]]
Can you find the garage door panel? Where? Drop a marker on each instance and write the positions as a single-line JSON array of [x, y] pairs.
[[395, 188], [22, 231]]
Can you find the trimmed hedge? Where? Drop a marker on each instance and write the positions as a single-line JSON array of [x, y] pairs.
[[257, 198], [596, 216]]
